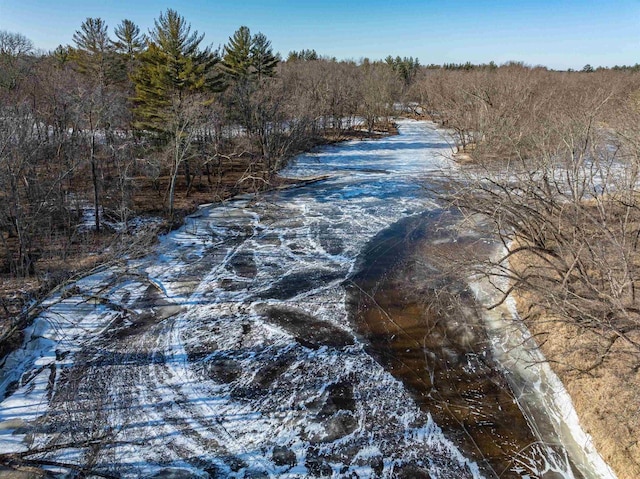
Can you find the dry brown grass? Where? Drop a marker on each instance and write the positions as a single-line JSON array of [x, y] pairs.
[[607, 396]]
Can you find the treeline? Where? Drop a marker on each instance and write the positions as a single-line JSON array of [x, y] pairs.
[[553, 165], [87, 128], [550, 165]]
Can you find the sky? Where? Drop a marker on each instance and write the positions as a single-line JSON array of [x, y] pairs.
[[558, 34]]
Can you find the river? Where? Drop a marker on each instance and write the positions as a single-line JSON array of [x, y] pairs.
[[300, 333]]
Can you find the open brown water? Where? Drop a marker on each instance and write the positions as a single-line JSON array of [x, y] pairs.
[[423, 327]]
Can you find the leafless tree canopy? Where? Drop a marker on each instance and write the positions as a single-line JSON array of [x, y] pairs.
[[80, 132], [550, 160]]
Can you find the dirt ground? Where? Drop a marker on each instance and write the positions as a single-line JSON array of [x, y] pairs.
[[606, 398]]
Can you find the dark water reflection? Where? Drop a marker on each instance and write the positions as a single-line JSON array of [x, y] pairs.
[[423, 327]]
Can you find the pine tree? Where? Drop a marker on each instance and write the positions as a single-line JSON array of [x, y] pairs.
[[152, 97], [302, 55], [236, 63], [93, 36], [131, 41], [189, 66], [93, 56], [248, 57], [172, 82], [262, 58], [407, 67], [93, 47], [62, 55], [172, 65]]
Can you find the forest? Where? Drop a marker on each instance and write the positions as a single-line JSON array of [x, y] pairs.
[[124, 125], [549, 163], [553, 164]]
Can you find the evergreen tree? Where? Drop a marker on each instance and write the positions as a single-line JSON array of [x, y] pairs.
[[151, 97], [130, 41], [93, 36], [161, 81], [173, 35], [172, 65], [189, 66], [248, 57], [263, 60], [406, 67], [304, 55], [62, 55], [93, 56], [129, 44], [237, 55], [93, 47], [171, 84]]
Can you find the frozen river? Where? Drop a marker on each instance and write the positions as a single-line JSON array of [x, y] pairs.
[[271, 336]]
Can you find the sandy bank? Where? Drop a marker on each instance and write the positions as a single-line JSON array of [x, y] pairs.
[[605, 393]]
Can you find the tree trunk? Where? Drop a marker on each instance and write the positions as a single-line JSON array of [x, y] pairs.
[[187, 175], [172, 189], [174, 176], [94, 177]]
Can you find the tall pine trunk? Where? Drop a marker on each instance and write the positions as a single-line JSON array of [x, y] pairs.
[[94, 177]]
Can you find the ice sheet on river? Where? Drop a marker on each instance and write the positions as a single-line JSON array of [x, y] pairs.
[[227, 351]]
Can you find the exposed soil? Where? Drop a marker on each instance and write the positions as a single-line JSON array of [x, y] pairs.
[[606, 397]]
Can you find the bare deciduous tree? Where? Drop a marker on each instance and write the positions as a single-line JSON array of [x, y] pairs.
[[558, 185]]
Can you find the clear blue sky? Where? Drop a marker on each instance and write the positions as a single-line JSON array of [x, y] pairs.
[[559, 34]]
